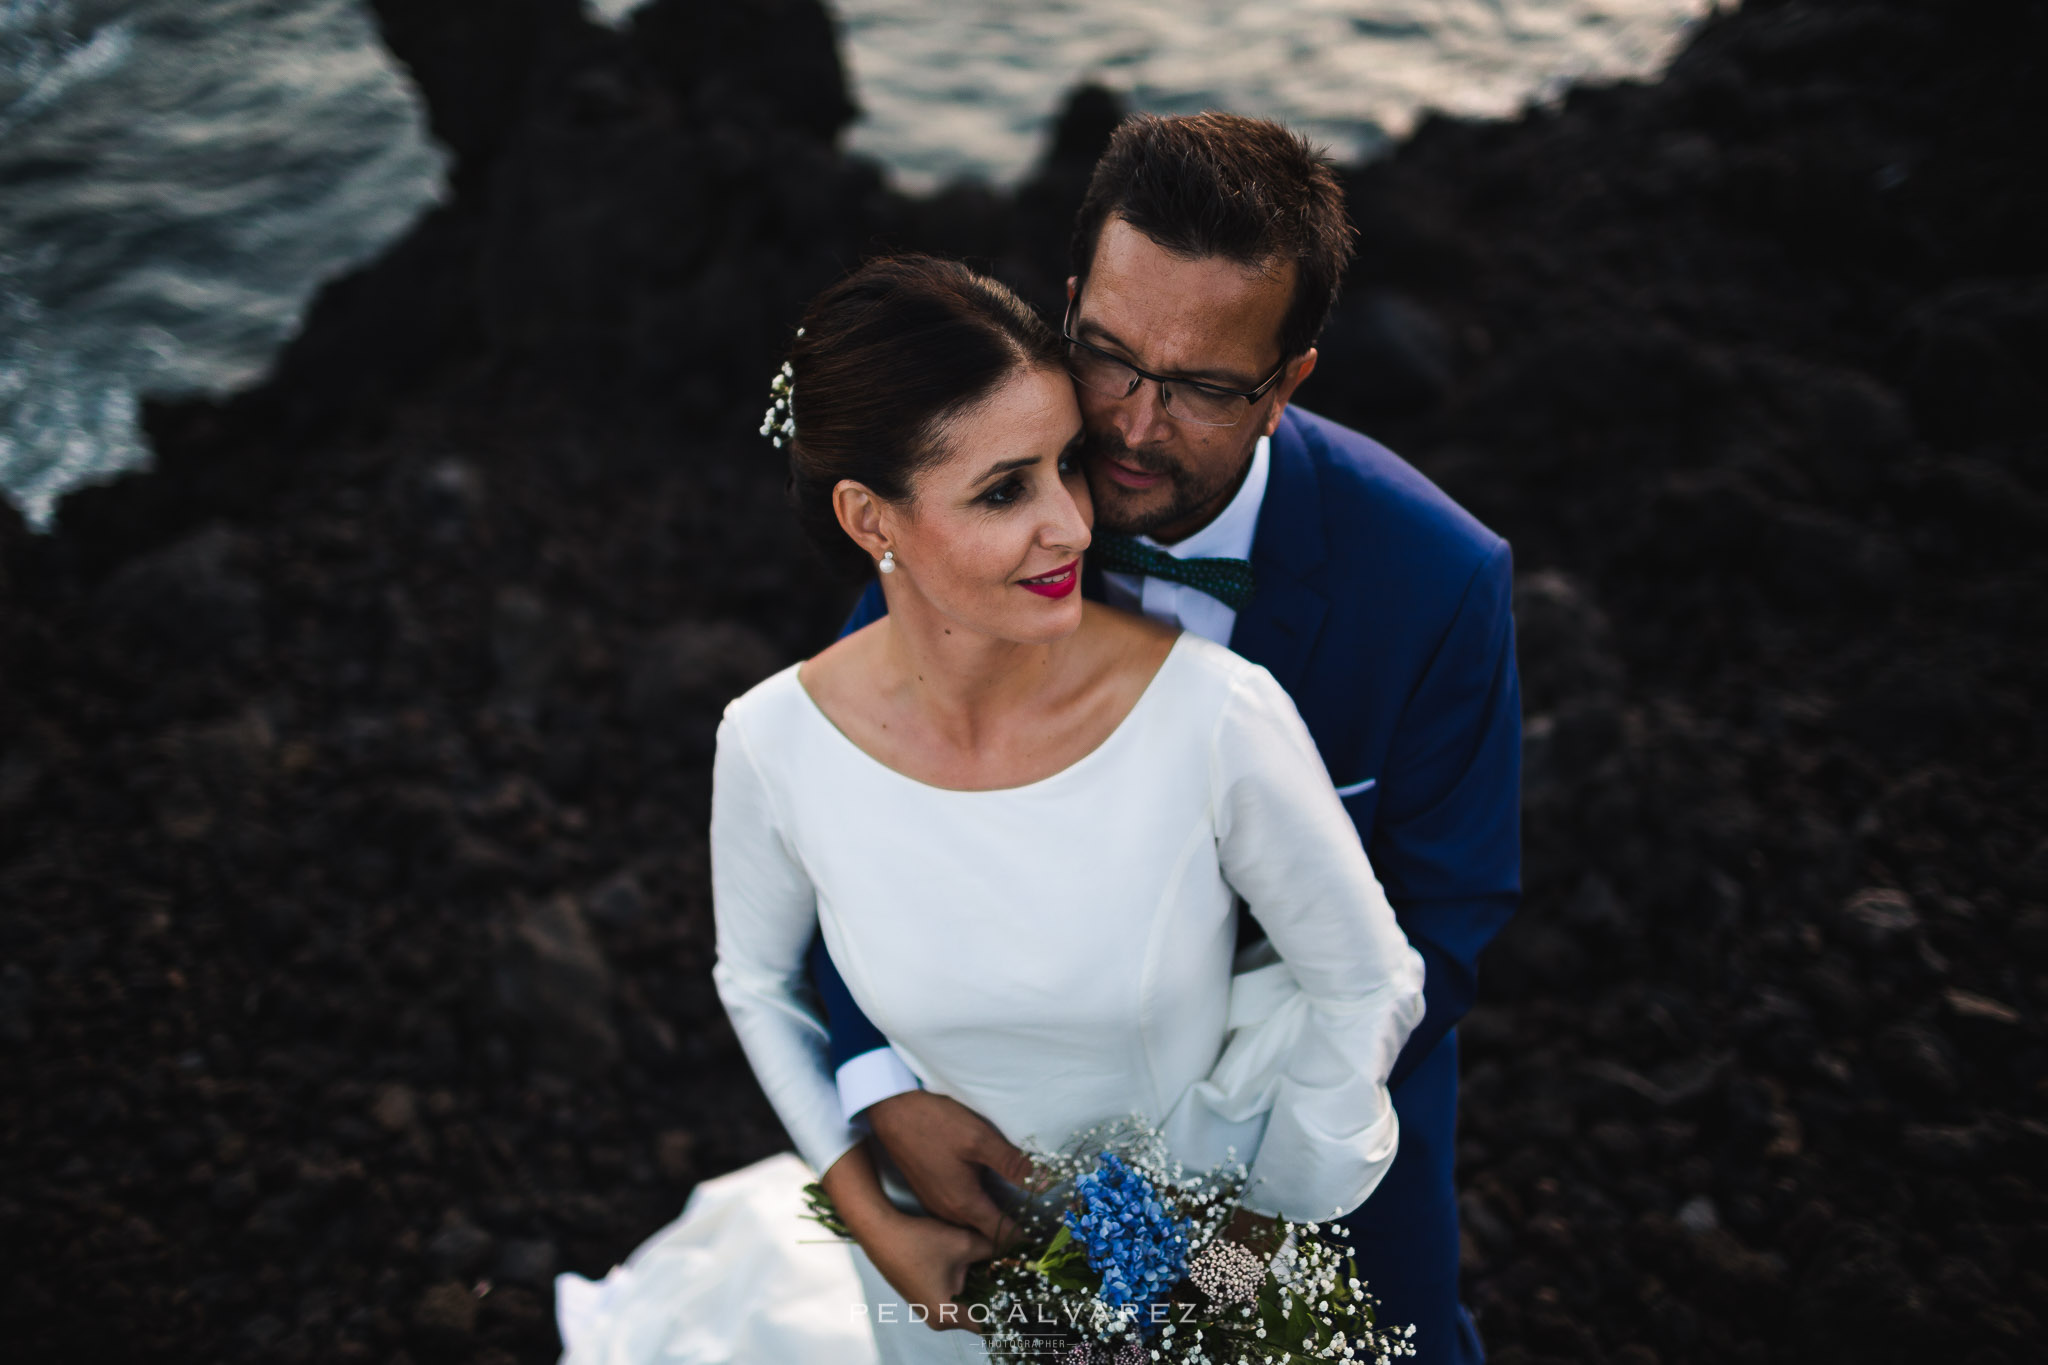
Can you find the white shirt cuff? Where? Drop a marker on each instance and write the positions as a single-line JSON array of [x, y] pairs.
[[871, 1078]]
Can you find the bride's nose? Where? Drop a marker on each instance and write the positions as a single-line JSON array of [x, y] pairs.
[[1068, 526]]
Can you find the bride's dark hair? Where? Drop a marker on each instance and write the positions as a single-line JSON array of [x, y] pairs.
[[883, 360]]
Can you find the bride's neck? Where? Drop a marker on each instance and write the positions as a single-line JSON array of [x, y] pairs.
[[966, 682]]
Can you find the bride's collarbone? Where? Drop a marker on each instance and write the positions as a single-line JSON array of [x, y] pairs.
[[1009, 749], [1010, 745]]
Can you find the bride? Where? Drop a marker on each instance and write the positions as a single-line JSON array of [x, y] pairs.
[[1022, 822]]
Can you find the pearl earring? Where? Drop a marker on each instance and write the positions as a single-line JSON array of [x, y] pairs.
[[888, 564]]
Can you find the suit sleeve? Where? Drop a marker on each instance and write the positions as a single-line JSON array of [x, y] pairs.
[[1447, 846], [851, 1033]]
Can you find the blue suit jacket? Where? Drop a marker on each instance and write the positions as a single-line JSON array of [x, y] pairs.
[[1384, 609]]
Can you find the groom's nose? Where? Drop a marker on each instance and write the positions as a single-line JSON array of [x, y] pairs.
[[1140, 416]]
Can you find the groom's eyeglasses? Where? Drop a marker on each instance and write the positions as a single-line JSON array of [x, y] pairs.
[[1189, 400]]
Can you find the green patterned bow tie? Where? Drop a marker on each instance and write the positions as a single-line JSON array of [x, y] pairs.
[[1229, 581]]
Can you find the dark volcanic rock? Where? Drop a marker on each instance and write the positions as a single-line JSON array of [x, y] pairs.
[[188, 601], [476, 64], [15, 544], [776, 59], [1918, 1060], [1400, 357], [528, 1261], [444, 1318], [355, 930], [685, 664], [1975, 357], [552, 976], [459, 1249], [1877, 918], [1564, 643], [17, 1005]]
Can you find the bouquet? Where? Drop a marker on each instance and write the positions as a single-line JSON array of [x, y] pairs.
[[1124, 1258]]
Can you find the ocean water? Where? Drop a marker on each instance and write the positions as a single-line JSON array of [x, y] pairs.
[[178, 177], [952, 90]]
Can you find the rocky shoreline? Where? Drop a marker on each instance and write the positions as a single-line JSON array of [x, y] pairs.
[[354, 763]]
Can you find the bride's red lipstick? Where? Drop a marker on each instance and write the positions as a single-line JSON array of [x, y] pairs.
[[1058, 583]]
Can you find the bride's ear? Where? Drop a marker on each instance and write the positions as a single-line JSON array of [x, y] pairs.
[[862, 516]]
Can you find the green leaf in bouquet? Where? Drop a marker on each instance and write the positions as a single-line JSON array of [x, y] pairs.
[[819, 1208], [1064, 1262], [1061, 1240]]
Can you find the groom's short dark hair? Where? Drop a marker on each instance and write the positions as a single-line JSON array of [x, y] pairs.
[[1245, 189]]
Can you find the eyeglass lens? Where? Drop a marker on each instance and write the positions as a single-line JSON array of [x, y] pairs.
[[1106, 375]]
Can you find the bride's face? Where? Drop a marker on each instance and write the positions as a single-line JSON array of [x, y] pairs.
[[992, 535]]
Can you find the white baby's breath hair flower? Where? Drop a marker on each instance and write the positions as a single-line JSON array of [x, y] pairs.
[[779, 423]]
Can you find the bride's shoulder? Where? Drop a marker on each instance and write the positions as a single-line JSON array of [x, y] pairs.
[[1130, 640], [769, 703], [788, 708], [1204, 662], [1199, 675], [1222, 692], [832, 679]]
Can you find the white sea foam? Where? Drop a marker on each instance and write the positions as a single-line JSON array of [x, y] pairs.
[[47, 61]]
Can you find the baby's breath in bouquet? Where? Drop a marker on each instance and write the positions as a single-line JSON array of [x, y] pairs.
[[1122, 1257]]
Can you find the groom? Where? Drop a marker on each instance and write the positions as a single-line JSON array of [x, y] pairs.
[[1207, 256]]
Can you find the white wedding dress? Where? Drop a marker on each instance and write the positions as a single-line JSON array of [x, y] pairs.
[[1060, 954]]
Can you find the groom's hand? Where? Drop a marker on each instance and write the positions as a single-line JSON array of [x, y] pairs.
[[941, 1146]]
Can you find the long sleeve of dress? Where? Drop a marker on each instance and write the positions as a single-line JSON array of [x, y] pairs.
[[766, 912], [1287, 847]]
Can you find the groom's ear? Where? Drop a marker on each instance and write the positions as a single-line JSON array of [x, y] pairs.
[[1073, 287], [861, 515], [1284, 390]]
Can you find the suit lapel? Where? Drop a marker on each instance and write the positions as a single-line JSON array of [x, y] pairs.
[[1277, 629]]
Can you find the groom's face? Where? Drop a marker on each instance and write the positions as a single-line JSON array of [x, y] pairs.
[[1203, 318]]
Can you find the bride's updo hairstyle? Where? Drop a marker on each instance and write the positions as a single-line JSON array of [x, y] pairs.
[[884, 359]]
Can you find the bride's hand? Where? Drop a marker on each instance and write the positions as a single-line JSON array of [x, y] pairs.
[[926, 1260], [923, 1259]]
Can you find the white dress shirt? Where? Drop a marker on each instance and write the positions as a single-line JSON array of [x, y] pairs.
[[876, 1075]]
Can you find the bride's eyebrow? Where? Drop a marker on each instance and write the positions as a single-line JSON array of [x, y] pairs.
[[1004, 467]]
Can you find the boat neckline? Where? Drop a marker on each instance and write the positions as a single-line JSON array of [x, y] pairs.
[[1122, 725]]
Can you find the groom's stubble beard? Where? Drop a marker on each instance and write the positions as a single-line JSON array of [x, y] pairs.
[[1118, 509]]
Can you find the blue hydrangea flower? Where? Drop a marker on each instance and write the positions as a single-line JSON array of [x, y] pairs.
[[1133, 1240]]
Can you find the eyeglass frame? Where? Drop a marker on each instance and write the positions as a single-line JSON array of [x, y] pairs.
[[1265, 386]]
